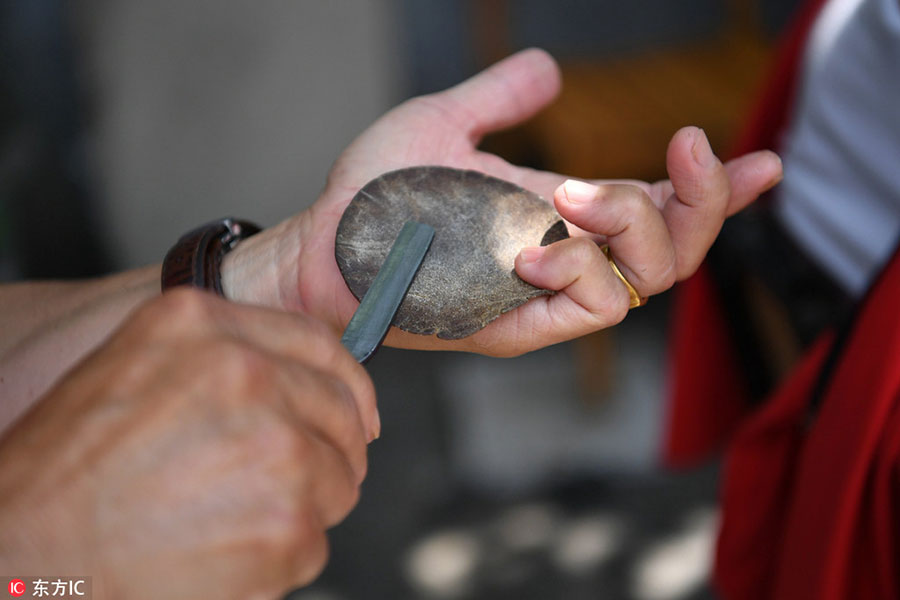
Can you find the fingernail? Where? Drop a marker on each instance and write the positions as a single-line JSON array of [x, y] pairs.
[[579, 192], [703, 154], [533, 254], [778, 176], [376, 433]]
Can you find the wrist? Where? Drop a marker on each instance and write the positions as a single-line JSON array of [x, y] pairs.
[[263, 269], [196, 258]]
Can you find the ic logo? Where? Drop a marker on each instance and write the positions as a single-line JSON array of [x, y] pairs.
[[16, 588]]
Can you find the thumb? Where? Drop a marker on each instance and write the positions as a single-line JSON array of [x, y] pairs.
[[506, 93]]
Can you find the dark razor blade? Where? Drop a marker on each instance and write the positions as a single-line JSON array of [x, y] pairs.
[[372, 319]]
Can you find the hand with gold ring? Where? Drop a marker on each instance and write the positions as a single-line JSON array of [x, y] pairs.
[[654, 234]]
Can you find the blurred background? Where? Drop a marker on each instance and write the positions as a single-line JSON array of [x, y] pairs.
[[125, 123]]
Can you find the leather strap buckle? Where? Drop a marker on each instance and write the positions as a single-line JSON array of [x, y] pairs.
[[196, 259]]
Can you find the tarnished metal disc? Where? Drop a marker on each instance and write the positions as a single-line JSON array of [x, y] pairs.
[[468, 277]]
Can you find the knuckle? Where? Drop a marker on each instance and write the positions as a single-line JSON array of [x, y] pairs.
[[311, 551], [625, 204], [280, 534], [341, 503], [582, 251], [659, 277], [185, 305], [297, 543], [319, 335], [271, 445], [173, 313], [241, 368], [614, 308], [296, 448], [355, 494], [351, 500], [634, 198], [331, 351], [618, 310], [688, 265], [669, 276], [283, 443]]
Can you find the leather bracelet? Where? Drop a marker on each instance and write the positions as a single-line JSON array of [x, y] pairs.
[[196, 259]]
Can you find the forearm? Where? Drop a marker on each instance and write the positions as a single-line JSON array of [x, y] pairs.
[[46, 327]]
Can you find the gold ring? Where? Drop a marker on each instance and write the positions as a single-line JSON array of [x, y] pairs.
[[635, 299]]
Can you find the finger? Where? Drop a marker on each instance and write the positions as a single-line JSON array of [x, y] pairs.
[[310, 558], [323, 404], [327, 483], [695, 212], [751, 175], [632, 226], [506, 93], [592, 296], [305, 341]]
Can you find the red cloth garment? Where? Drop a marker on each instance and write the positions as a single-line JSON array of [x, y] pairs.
[[812, 511], [707, 397], [809, 510], [841, 525], [758, 475]]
